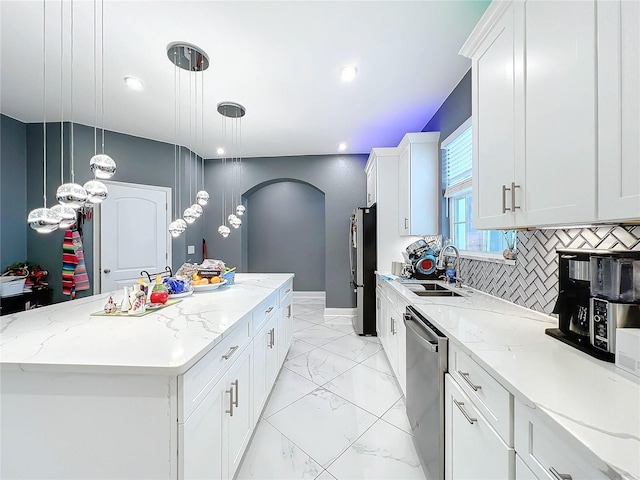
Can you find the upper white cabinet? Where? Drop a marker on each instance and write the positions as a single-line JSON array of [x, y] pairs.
[[536, 95], [619, 110], [419, 184], [371, 169]]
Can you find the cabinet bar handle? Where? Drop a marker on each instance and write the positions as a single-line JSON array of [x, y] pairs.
[[560, 476], [465, 377], [230, 411], [471, 420], [406, 222], [513, 196], [231, 351], [268, 310], [235, 403], [271, 338], [504, 199], [393, 325], [289, 311], [369, 196]]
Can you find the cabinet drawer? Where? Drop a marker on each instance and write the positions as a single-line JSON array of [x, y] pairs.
[[549, 454], [491, 398], [264, 310], [196, 382], [286, 289], [473, 449]]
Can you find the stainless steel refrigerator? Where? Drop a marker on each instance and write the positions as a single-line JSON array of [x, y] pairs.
[[362, 261]]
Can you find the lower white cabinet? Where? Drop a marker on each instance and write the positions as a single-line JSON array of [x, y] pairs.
[[392, 332], [549, 454], [473, 449], [285, 327], [214, 437], [522, 471], [266, 362]]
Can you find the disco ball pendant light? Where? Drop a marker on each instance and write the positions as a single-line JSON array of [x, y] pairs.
[[202, 198], [240, 209], [198, 209], [224, 230], [44, 220]]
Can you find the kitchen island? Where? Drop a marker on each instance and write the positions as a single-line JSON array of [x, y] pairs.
[[561, 405], [88, 396]]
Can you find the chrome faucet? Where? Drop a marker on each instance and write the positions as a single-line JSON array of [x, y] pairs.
[[440, 264]]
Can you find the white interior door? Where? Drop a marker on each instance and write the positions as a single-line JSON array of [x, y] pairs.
[[133, 233]]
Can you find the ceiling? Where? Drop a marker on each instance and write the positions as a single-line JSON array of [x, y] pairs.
[[281, 60]]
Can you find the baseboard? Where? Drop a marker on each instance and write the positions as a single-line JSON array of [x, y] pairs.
[[340, 312], [315, 295]]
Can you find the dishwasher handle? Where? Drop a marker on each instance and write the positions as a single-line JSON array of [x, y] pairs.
[[433, 347]]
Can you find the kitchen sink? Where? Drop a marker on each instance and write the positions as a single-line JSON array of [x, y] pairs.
[[438, 293]]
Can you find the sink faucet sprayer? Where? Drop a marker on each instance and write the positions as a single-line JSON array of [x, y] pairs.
[[440, 264]]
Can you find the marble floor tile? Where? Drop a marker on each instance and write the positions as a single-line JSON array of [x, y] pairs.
[[271, 455], [300, 324], [289, 387], [314, 317], [380, 362], [343, 324], [298, 347], [318, 335], [353, 348], [319, 365], [370, 389], [383, 452], [397, 416], [322, 424]]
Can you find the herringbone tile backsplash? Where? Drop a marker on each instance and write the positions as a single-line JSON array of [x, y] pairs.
[[533, 281]]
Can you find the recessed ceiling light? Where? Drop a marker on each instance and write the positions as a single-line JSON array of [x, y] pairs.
[[342, 146], [348, 73], [133, 83], [220, 151]]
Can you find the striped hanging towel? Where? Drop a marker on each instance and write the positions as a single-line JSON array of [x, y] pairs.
[[80, 277], [69, 263]]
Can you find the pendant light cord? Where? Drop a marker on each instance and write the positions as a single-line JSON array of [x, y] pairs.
[[175, 146], [95, 79], [44, 102], [61, 93], [71, 120], [102, 70]]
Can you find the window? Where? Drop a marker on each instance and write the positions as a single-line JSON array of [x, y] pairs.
[[457, 175]]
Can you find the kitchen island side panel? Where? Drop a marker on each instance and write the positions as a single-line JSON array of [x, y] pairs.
[[79, 426]]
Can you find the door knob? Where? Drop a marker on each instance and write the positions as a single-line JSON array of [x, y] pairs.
[[107, 270]]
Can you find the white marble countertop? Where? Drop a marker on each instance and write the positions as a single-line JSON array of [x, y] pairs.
[[594, 401], [65, 338]]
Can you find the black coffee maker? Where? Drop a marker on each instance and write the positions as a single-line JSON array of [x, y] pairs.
[[574, 303]]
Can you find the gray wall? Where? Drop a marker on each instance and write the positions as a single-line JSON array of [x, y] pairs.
[[342, 180], [285, 229], [13, 194], [139, 161]]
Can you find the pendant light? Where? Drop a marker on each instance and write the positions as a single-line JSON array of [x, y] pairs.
[[102, 166], [232, 114], [71, 194], [44, 220]]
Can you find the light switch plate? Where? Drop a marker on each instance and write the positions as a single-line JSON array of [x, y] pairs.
[[191, 249]]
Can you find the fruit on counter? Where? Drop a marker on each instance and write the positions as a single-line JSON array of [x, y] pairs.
[[215, 280], [201, 281]]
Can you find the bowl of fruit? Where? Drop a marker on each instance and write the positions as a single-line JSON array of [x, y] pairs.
[[205, 280]]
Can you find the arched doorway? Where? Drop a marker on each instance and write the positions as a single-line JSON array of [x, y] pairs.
[[286, 232]]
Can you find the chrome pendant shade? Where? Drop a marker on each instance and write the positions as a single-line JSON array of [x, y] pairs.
[[67, 215], [202, 197], [240, 209], [102, 166], [224, 230], [43, 220], [96, 191], [72, 195]]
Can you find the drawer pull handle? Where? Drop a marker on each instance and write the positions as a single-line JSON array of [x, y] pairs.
[[393, 326], [272, 340], [560, 476], [230, 411], [465, 376], [235, 403], [504, 199], [471, 420], [268, 310], [288, 290], [231, 351], [289, 311]]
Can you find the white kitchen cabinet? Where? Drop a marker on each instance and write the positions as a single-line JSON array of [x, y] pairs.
[[214, 437], [534, 114], [371, 170], [473, 450], [392, 331], [401, 339], [551, 454], [419, 184], [266, 362], [285, 326], [618, 110]]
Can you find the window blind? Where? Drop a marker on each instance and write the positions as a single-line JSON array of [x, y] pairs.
[[457, 154]]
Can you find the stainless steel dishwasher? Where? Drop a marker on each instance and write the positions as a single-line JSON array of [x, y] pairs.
[[426, 365]]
